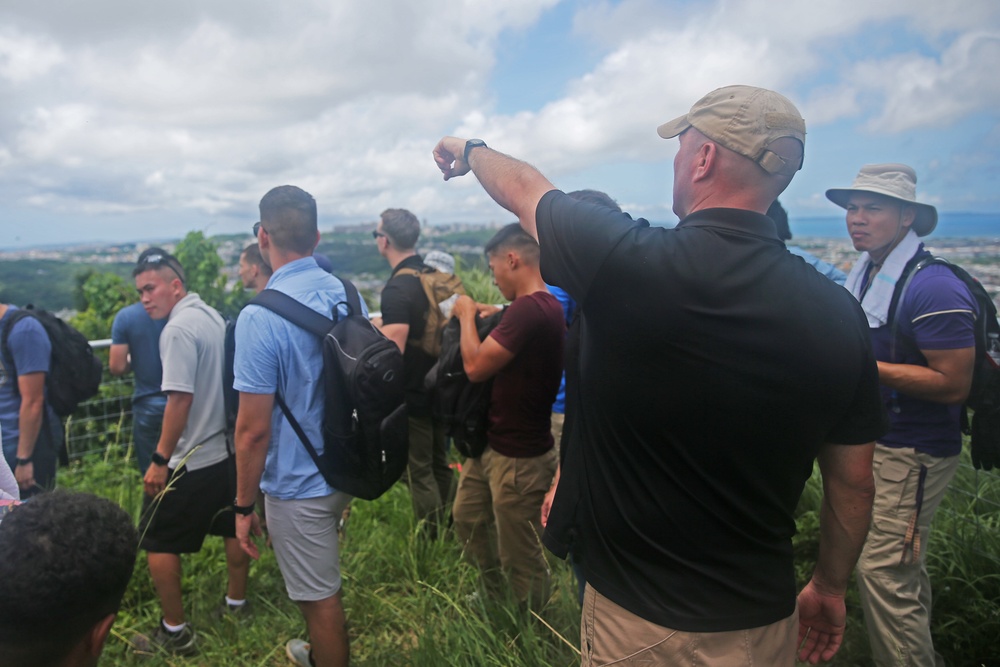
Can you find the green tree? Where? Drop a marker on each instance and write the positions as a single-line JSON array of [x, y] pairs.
[[99, 296], [202, 268], [203, 273]]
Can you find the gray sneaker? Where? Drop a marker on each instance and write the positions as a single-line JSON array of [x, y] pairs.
[[174, 643], [299, 652], [237, 614]]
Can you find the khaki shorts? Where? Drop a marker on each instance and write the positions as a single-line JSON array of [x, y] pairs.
[[304, 537], [611, 635]]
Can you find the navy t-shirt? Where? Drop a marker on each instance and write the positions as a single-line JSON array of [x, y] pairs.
[[134, 327], [30, 351]]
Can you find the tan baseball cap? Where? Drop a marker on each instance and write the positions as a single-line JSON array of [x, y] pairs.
[[745, 120], [898, 181]]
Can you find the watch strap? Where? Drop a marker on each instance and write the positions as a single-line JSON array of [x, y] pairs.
[[158, 459], [470, 144], [243, 510], [18, 461]]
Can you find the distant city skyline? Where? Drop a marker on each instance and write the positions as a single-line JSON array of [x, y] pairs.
[[128, 121]]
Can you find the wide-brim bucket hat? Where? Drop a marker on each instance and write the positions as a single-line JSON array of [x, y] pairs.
[[897, 181]]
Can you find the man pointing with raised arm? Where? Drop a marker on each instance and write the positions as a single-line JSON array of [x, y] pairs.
[[714, 368]]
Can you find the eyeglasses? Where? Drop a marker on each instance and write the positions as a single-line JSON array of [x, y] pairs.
[[376, 234], [256, 229]]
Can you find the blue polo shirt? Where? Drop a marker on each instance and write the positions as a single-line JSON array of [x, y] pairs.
[[274, 355]]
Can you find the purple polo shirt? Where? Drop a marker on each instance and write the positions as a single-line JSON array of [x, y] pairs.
[[937, 313]]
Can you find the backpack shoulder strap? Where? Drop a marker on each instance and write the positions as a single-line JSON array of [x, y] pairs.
[[900, 293], [295, 312], [353, 298]]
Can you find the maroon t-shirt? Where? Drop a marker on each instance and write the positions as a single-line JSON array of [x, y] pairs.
[[533, 329]]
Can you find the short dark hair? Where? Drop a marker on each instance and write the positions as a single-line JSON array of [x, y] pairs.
[[288, 215], [253, 256], [777, 213], [596, 197], [402, 227], [65, 561], [157, 259], [513, 237]]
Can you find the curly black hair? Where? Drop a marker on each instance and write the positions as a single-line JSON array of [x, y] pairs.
[[65, 561]]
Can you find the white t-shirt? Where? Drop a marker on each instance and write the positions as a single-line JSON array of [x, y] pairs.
[[192, 351]]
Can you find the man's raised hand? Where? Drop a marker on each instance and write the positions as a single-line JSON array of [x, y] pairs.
[[449, 155]]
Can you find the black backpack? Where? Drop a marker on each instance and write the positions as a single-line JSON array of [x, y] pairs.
[[460, 405], [231, 396], [365, 427], [984, 396], [74, 372]]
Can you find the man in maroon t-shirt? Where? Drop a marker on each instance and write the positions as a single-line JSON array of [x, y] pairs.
[[503, 489]]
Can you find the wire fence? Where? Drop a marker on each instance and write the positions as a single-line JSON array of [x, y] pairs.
[[104, 422], [103, 425]]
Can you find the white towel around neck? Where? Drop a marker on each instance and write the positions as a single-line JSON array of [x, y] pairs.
[[879, 295]]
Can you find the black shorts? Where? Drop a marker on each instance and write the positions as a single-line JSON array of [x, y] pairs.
[[196, 504]]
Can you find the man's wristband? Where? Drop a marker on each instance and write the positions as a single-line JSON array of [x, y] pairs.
[[243, 510], [18, 461], [158, 459], [470, 144]]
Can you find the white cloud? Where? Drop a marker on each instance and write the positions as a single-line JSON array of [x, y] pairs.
[[922, 92], [24, 57], [113, 106]]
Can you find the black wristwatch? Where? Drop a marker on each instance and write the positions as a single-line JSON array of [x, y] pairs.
[[473, 143], [157, 459], [243, 510], [18, 461]]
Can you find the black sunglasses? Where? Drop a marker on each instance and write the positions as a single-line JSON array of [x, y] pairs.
[[168, 261], [256, 229], [376, 234]]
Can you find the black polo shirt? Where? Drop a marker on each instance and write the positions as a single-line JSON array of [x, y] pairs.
[[713, 365]]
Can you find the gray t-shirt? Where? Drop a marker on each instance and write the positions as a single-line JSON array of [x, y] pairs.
[[192, 352]]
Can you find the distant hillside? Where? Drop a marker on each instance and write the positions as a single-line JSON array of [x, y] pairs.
[[49, 282]]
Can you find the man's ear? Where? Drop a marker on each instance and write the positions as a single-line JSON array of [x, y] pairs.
[[705, 161], [907, 215], [94, 640]]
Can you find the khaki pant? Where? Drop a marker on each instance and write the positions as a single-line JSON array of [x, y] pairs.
[[610, 635], [556, 428], [896, 591], [497, 515], [430, 479]]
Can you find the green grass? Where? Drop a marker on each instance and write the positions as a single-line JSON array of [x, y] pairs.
[[963, 562], [406, 596]]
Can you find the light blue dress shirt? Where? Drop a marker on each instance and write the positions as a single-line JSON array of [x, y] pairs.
[[272, 355]]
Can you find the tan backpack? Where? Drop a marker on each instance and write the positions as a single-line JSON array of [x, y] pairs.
[[441, 289]]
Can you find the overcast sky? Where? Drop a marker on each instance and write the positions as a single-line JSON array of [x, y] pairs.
[[125, 120]]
